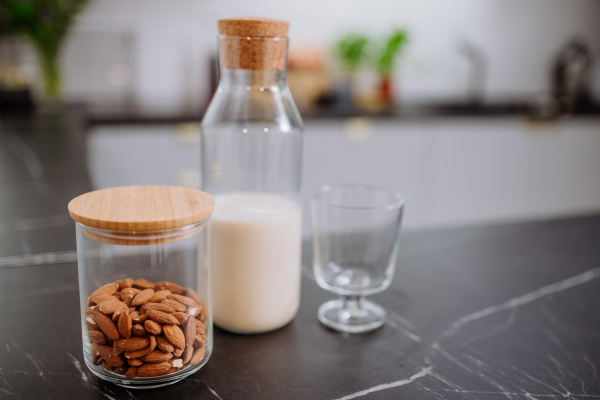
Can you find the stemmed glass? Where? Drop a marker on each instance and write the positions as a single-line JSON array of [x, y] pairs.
[[356, 234]]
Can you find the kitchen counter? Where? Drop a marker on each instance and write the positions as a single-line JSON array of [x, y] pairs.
[[488, 312]]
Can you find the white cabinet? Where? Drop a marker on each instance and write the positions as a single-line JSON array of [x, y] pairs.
[[451, 170], [464, 170]]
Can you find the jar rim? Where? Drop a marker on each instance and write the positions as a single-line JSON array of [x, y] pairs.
[[141, 238]]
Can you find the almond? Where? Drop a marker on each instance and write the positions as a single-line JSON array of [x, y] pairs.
[[131, 372], [127, 302], [174, 335], [153, 328], [181, 317], [101, 298], [158, 307], [108, 289], [200, 327], [117, 314], [133, 344], [198, 341], [183, 300], [164, 345], [115, 362], [178, 352], [106, 353], [173, 287], [162, 317], [157, 356], [138, 330], [109, 307], [129, 293], [187, 354], [123, 284], [135, 362], [142, 284], [154, 369], [89, 310], [193, 311], [177, 363], [143, 352], [121, 370], [159, 296], [106, 325], [189, 331], [97, 336], [142, 297], [140, 318], [134, 314], [95, 352], [204, 315], [198, 356], [124, 325], [94, 349], [174, 304], [190, 293], [90, 323]]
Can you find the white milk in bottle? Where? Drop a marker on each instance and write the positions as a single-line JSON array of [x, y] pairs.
[[255, 261]]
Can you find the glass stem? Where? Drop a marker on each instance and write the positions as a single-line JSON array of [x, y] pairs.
[[351, 302], [352, 311]]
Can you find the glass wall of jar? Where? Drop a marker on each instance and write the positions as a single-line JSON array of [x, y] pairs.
[[251, 162], [144, 294]]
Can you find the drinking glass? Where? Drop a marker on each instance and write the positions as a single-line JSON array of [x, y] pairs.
[[356, 234]]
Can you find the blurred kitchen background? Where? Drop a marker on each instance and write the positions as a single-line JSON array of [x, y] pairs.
[[478, 111]]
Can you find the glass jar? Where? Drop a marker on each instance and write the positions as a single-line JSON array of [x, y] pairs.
[[251, 163], [143, 263]]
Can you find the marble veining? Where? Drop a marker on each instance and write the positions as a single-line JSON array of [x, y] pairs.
[[38, 259], [23, 225], [215, 393], [500, 375]]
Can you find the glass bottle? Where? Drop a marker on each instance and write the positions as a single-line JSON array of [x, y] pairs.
[[251, 163]]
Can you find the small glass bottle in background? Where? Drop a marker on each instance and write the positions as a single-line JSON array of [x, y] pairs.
[[251, 163]]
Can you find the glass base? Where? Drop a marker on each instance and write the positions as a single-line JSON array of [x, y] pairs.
[[356, 316], [143, 382]]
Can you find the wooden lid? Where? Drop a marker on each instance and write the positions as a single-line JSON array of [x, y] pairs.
[[141, 208], [253, 26]]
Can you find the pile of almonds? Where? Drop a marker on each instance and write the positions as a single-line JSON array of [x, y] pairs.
[[141, 329]]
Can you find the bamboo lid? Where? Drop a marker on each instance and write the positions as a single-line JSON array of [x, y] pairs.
[[253, 26], [141, 208]]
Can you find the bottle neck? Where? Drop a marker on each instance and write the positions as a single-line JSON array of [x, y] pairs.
[[253, 61], [252, 78]]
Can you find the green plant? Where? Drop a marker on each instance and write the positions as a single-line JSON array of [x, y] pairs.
[[352, 50], [386, 59], [46, 23]]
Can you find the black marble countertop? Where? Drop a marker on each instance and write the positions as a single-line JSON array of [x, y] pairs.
[[498, 312]]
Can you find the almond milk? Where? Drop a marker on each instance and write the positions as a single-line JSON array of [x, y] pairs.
[[255, 261]]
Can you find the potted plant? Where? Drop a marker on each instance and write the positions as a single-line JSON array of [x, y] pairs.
[[351, 51], [46, 24], [386, 63]]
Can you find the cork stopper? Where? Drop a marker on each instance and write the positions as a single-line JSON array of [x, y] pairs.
[[253, 26], [253, 43]]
